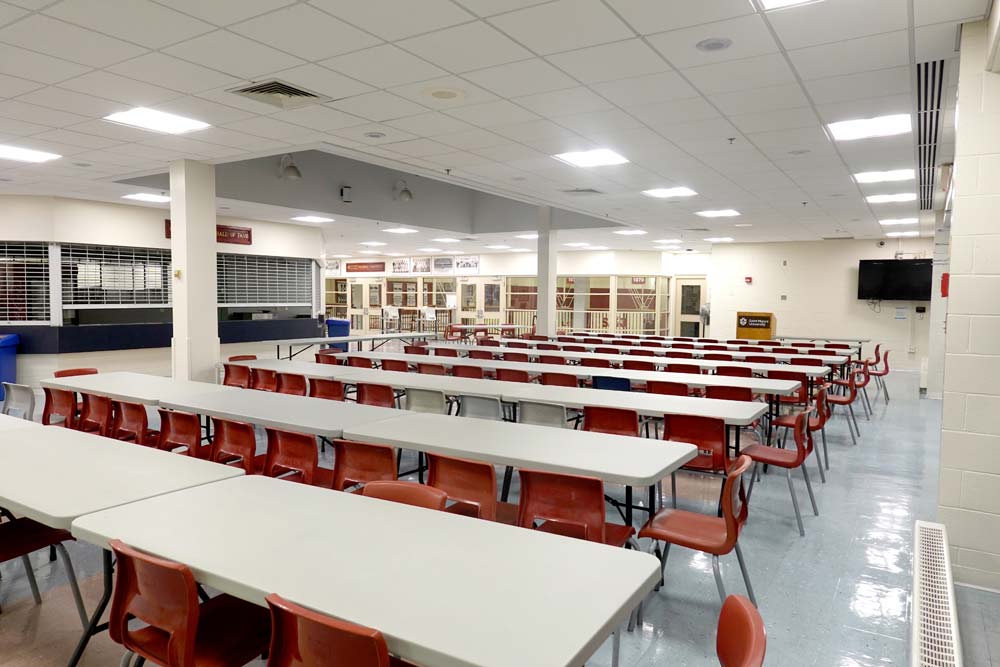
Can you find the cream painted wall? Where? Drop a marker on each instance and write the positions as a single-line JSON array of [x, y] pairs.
[[820, 282]]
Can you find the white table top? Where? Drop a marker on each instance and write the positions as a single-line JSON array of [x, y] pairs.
[[310, 369], [8, 422], [534, 599], [134, 387], [699, 348], [53, 475], [469, 327], [827, 339], [324, 340]]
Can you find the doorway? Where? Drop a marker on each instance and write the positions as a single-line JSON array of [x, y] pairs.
[[691, 295]]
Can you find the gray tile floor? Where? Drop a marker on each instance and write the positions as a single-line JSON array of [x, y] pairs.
[[840, 596]]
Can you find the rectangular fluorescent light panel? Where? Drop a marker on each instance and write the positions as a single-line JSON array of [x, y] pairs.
[[598, 247], [370, 252], [311, 218], [445, 240], [428, 249], [341, 256], [25, 154], [498, 247], [578, 244], [599, 157], [528, 237], [147, 197], [865, 128], [898, 234], [887, 199], [667, 241], [157, 121], [719, 239], [665, 193], [885, 176], [372, 243], [520, 249], [890, 222], [400, 230], [721, 213], [631, 232]]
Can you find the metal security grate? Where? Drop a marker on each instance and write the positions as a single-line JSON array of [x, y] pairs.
[[256, 280], [24, 282], [935, 640], [96, 276]]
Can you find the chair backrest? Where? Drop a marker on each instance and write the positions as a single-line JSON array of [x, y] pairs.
[[234, 443], [683, 338], [415, 349], [332, 390], [718, 356], [292, 384], [734, 371], [481, 354], [445, 351], [803, 345], [473, 372], [708, 434], [574, 348], [95, 415], [806, 360], [18, 401], [864, 372], [395, 365], [785, 350], [823, 411], [666, 388], [359, 362], [802, 396], [431, 369], [470, 483], [607, 350], [729, 393], [760, 359], [130, 422], [72, 372], [565, 339], [263, 379], [803, 437], [179, 429], [426, 400], [593, 341], [684, 368], [332, 360], [541, 414], [574, 502], [236, 375], [161, 594], [751, 348], [591, 362], [715, 347], [650, 343], [521, 357], [611, 383], [741, 639], [511, 375], [622, 341], [552, 359], [547, 346], [676, 354], [243, 357], [818, 352], [885, 363], [380, 395], [361, 462], [517, 345], [641, 352], [61, 403], [480, 407], [559, 380], [408, 493], [769, 343], [708, 340], [842, 346], [615, 421], [638, 365], [291, 452], [736, 341], [301, 637], [684, 346]]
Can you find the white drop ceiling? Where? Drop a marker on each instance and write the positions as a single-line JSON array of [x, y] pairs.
[[743, 126]]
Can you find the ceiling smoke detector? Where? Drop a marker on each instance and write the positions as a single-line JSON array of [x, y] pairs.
[[713, 44], [445, 94], [375, 135]]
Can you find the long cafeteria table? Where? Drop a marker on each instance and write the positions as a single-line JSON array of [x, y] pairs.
[[665, 346], [133, 387], [380, 338], [404, 570]]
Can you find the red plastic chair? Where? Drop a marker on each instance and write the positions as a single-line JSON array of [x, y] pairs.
[[715, 535], [359, 362], [381, 395], [431, 369], [638, 365], [234, 444], [358, 463], [332, 390], [593, 341], [262, 379], [471, 486], [566, 339], [292, 456], [623, 341], [684, 368], [650, 343], [607, 350], [177, 631], [729, 393], [769, 343], [243, 357], [329, 359], [568, 505], [708, 340], [551, 359], [60, 408], [445, 351], [485, 355], [818, 352], [614, 421], [640, 352], [547, 346], [451, 333], [510, 375], [684, 339], [408, 493], [520, 357], [785, 350], [803, 345], [718, 356], [131, 424], [736, 341], [716, 348], [180, 430], [817, 422], [847, 400], [880, 374], [574, 348], [707, 434], [805, 360], [843, 346], [395, 365], [517, 345], [760, 359], [73, 372], [801, 397], [741, 640], [591, 362], [301, 637], [95, 415], [675, 354], [292, 384], [665, 388], [683, 346], [236, 375], [751, 348], [416, 349], [734, 371], [559, 380], [473, 372]]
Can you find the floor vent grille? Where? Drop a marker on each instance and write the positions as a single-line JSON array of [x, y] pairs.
[[930, 86], [935, 622]]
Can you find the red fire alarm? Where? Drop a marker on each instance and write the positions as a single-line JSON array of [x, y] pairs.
[[945, 282], [748, 280]]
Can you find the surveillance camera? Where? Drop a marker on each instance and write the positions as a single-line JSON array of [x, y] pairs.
[[881, 244]]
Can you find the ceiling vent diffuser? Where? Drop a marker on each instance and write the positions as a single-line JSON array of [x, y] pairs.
[[582, 191], [279, 94], [930, 84]]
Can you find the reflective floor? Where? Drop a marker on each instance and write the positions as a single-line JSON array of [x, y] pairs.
[[838, 597]]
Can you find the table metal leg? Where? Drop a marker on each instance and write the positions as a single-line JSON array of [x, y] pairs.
[[95, 625], [508, 475], [628, 505], [772, 414]]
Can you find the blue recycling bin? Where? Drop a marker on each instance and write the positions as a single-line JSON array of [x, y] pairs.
[[8, 359], [335, 327]]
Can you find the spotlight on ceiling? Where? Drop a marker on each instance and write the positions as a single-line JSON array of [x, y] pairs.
[[287, 169], [400, 192]]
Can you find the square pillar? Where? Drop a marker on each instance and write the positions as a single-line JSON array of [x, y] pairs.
[[545, 324]]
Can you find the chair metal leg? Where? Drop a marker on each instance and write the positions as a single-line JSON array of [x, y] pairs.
[[673, 489], [73, 585], [718, 578], [31, 579], [826, 452], [795, 502], [746, 575], [857, 429], [809, 488], [868, 402], [663, 562], [819, 464], [126, 659], [753, 478], [885, 390]]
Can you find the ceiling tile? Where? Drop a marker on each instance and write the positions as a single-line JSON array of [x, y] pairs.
[[204, 110], [760, 99], [611, 61], [69, 42], [319, 117], [36, 66], [384, 66], [103, 128], [226, 137], [435, 93], [926, 12], [562, 102], [490, 7], [751, 73], [599, 124], [880, 83], [13, 86], [269, 128], [119, 88], [172, 73], [225, 12], [77, 139], [780, 119], [651, 17], [856, 55], [391, 21], [459, 159], [378, 106], [66, 100], [233, 54], [563, 25], [466, 47], [388, 134], [936, 42], [139, 21], [868, 107], [10, 13], [430, 124], [509, 153], [749, 36], [20, 128], [471, 139], [544, 135], [420, 148], [521, 78], [306, 32], [492, 114], [323, 81], [676, 111], [638, 90], [825, 22]]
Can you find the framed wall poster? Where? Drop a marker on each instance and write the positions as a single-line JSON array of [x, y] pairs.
[[444, 265], [401, 265], [467, 265], [333, 265], [421, 265]]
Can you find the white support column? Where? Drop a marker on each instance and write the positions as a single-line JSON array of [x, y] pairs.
[[546, 322], [195, 345]]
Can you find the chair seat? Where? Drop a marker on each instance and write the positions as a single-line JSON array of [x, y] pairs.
[[788, 421], [838, 399], [615, 534], [230, 633], [775, 456], [23, 536], [701, 463], [506, 512], [693, 530]]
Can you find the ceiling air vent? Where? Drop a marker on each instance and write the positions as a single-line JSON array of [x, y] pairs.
[[696, 229], [838, 238], [930, 84], [582, 191], [279, 94]]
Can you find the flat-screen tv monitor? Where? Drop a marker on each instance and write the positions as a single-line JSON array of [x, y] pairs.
[[895, 279]]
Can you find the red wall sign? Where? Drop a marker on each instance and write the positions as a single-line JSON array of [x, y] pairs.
[[365, 267], [224, 234]]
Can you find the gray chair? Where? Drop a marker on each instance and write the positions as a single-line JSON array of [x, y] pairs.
[[426, 400], [18, 401], [542, 414], [480, 407]]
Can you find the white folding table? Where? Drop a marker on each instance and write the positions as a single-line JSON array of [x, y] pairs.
[[380, 338], [665, 346], [8, 423], [531, 599], [135, 387]]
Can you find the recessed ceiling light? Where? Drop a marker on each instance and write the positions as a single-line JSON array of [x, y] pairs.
[[890, 222], [372, 243], [400, 230], [670, 247], [664, 193], [341, 256], [529, 237], [520, 249], [26, 154], [899, 234], [886, 199], [631, 232], [498, 246], [598, 247], [375, 135], [863, 128], [779, 4], [453, 252], [720, 213], [445, 240], [742, 224], [883, 176], [719, 239], [370, 252], [714, 44], [599, 157], [157, 121], [667, 241], [311, 218], [145, 196], [428, 249], [578, 244], [393, 254]]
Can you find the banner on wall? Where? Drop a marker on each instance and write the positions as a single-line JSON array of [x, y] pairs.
[[365, 267], [467, 265], [223, 234], [401, 265]]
